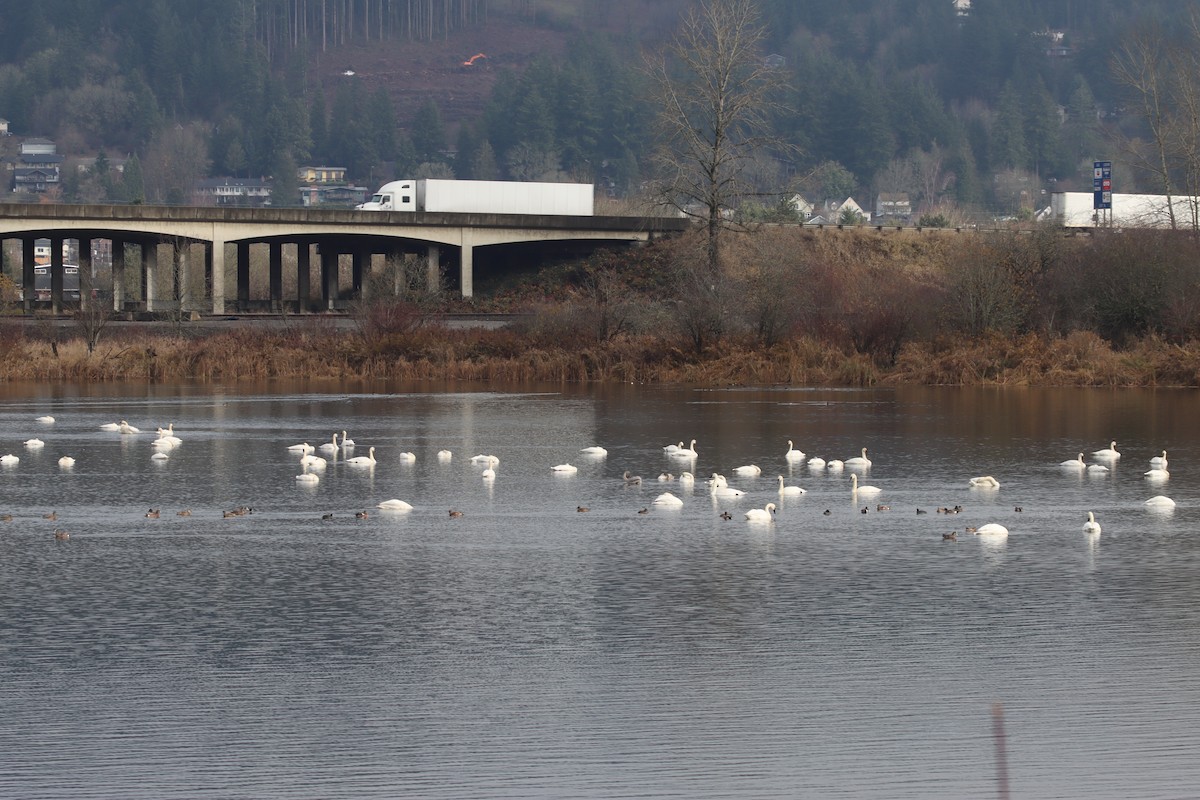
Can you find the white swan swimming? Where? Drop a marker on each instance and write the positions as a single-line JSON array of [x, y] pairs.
[[126, 428], [793, 491], [665, 477], [631, 479], [488, 474], [66, 461], [672, 448], [749, 469], [1097, 468], [594, 450], [395, 505], [46, 420], [331, 446], [363, 461], [1160, 501], [1157, 475], [301, 448], [686, 452], [168, 436], [567, 469], [835, 465], [34, 444], [859, 461], [313, 462], [1091, 526], [159, 456], [306, 476], [1074, 463], [991, 529], [111, 426], [985, 482], [816, 462], [856, 489], [482, 459], [9, 460], [163, 443], [727, 492], [668, 499], [792, 453], [1108, 452], [444, 455], [346, 440], [687, 479], [407, 457], [766, 514], [1159, 461]]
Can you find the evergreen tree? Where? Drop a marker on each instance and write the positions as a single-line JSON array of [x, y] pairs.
[[428, 133], [1008, 148], [318, 127], [133, 188]]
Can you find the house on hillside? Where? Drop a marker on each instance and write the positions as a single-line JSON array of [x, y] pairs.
[[797, 203], [321, 174], [38, 168], [251, 192], [4, 127], [892, 207]]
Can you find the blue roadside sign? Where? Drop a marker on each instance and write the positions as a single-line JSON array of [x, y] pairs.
[[1101, 184]]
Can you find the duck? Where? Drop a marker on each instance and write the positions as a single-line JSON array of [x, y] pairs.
[[1108, 452], [361, 515], [856, 489], [725, 515], [765, 514], [66, 462], [952, 536], [985, 482], [644, 511], [789, 491], [61, 535], [53, 515], [327, 516], [582, 509], [792, 453], [187, 512], [152, 513], [565, 469], [826, 512], [594, 450], [395, 505], [363, 461], [6, 517], [859, 461], [882, 507], [455, 514], [668, 499], [748, 469], [1074, 463], [1091, 526], [922, 511], [631, 480]]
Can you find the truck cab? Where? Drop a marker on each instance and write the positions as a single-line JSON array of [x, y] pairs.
[[394, 196]]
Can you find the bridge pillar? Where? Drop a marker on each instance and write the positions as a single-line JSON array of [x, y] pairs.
[[181, 277], [28, 281], [329, 276], [243, 275], [118, 274], [466, 265], [56, 275], [214, 261], [275, 250], [87, 278], [358, 262], [150, 273], [303, 278], [433, 269]]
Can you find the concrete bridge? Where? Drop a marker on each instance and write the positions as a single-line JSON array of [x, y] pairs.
[[440, 241]]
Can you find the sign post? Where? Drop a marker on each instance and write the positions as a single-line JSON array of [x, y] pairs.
[[1102, 189]]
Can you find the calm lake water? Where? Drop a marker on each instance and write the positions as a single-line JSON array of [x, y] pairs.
[[529, 650]]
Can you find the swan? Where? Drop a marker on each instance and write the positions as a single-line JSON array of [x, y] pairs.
[[859, 461], [1108, 452], [792, 491], [566, 469], [1096, 468], [444, 455], [749, 469], [792, 453], [1157, 474], [761, 514], [985, 482], [331, 446], [9, 460], [363, 461], [991, 529], [313, 462], [307, 477], [1159, 461], [110, 426], [34, 444], [163, 444], [482, 459], [856, 489], [632, 480], [816, 462], [159, 456], [1160, 501], [66, 461], [1091, 526], [407, 456], [726, 492], [488, 474], [346, 440], [1076, 463], [301, 448], [668, 499], [169, 436], [395, 505], [126, 428], [687, 479], [665, 477], [673, 448], [46, 420], [595, 450], [835, 465], [686, 452]]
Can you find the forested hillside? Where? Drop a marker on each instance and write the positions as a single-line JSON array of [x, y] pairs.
[[975, 108]]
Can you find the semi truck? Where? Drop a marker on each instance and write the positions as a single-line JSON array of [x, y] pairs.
[[484, 197]]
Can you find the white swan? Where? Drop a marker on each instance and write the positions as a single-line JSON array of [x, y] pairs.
[[1108, 452], [749, 469], [992, 529], [686, 452], [66, 461], [331, 446], [761, 514], [488, 474], [835, 465], [407, 456], [301, 448], [665, 477], [1091, 526], [363, 461], [1074, 463], [9, 460], [727, 492], [46, 420], [566, 469], [985, 482], [792, 491], [668, 499], [792, 453], [673, 448], [306, 476], [687, 479], [313, 462], [856, 489], [163, 443], [1097, 468], [595, 450], [631, 479], [1159, 461], [126, 428], [395, 505], [444, 455], [859, 461], [34, 444], [346, 440], [159, 456], [1157, 475], [482, 459], [110, 426], [1160, 501], [816, 462], [169, 435]]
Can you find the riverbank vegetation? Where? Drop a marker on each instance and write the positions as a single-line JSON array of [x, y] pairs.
[[791, 306]]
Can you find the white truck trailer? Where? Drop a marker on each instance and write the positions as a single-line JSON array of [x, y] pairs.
[[1075, 210], [484, 197]]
